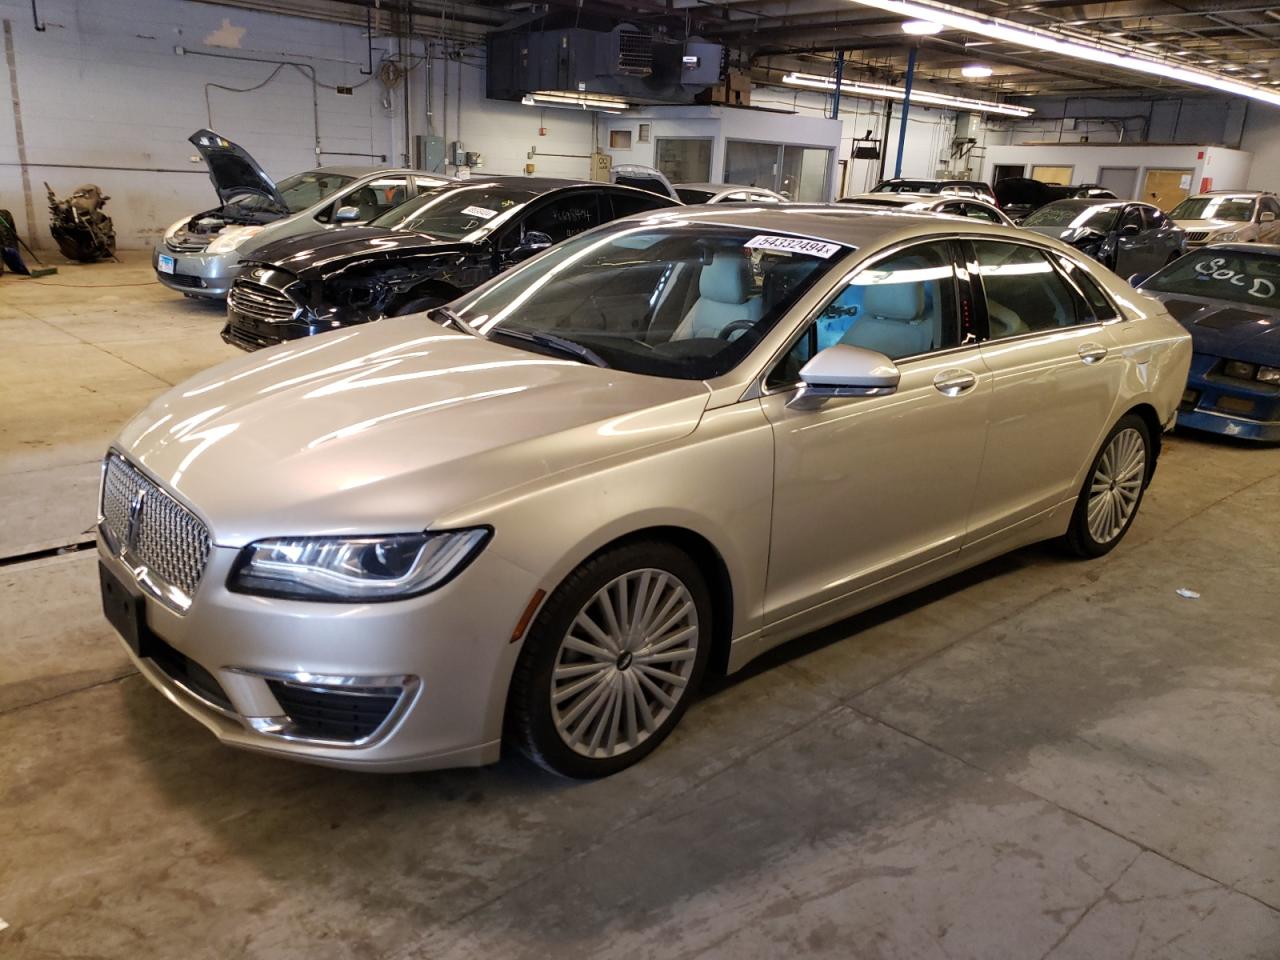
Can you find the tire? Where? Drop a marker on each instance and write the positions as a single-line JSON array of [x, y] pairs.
[[416, 305], [1113, 489], [595, 724]]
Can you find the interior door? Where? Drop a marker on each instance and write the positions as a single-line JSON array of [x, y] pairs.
[[1166, 188], [866, 488], [1056, 374], [1122, 181]]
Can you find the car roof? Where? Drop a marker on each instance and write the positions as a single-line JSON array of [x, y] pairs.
[[834, 222], [901, 199], [1240, 193], [719, 187]]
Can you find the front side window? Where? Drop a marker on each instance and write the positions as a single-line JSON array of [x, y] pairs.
[[687, 301], [902, 306], [1237, 277], [1024, 292], [1131, 222]]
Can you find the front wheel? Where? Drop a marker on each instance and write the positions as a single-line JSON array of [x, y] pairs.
[[416, 305], [611, 661], [1112, 490]]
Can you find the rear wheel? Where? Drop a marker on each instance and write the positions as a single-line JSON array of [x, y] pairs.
[[1112, 489], [611, 662]]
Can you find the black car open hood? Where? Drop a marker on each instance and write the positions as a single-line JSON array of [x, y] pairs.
[[328, 250], [234, 173]]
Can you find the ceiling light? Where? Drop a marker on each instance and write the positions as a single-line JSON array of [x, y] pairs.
[[1076, 46], [855, 88], [975, 70], [978, 43], [918, 28], [603, 102]]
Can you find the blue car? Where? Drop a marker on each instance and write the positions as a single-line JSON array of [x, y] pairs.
[[1228, 296]]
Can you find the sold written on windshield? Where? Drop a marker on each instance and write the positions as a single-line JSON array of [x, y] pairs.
[[1260, 287]]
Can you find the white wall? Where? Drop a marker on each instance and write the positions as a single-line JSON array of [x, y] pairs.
[[1086, 159], [103, 88], [1262, 137]]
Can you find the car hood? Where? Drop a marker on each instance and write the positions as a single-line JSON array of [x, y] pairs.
[[1211, 224], [320, 250], [390, 427], [234, 173], [1230, 330]]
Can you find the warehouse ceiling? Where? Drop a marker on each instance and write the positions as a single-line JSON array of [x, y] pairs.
[[1235, 39]]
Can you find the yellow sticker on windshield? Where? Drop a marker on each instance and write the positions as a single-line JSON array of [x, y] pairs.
[[814, 248]]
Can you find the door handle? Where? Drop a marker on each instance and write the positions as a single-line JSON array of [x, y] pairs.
[[952, 383], [1091, 352]]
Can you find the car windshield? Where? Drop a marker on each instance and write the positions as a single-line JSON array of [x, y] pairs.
[[300, 191], [452, 212], [1222, 275], [691, 196], [1101, 217], [1239, 209], [678, 300]]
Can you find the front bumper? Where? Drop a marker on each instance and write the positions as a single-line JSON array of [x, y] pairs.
[[197, 274], [256, 671], [1231, 407]]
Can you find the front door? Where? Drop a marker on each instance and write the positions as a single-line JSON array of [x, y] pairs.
[[867, 488], [1056, 373], [1135, 244]]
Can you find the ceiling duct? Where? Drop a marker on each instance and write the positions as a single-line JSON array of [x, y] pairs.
[[623, 60]]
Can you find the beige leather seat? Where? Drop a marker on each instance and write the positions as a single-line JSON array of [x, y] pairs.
[[893, 321], [724, 297]]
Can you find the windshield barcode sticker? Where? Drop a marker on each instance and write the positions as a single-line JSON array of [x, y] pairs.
[[484, 213], [814, 248]]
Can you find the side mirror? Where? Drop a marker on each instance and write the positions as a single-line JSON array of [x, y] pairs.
[[1130, 230], [346, 215], [534, 241], [1138, 279], [845, 371], [1267, 216]]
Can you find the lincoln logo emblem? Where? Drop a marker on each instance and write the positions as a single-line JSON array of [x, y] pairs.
[[135, 520]]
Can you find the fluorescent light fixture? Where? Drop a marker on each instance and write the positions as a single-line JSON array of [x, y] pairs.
[[975, 70], [856, 88], [603, 102], [1074, 45], [920, 28], [978, 43]]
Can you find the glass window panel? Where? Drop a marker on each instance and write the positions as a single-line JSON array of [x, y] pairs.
[[804, 173], [684, 160], [751, 164]]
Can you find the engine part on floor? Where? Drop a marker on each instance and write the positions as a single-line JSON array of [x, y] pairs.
[[79, 227]]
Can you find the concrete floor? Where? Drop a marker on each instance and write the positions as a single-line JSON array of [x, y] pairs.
[[1039, 759]]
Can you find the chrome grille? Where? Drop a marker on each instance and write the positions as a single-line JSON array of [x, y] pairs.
[[159, 533], [260, 302], [1197, 236], [182, 243]]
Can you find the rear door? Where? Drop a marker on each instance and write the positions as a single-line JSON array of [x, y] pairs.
[[1056, 372]]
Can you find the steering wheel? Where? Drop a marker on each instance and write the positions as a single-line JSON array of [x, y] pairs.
[[738, 326]]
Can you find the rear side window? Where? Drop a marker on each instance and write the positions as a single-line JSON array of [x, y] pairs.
[[1103, 308], [1024, 291], [563, 216]]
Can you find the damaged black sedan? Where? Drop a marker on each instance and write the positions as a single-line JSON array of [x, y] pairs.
[[416, 256]]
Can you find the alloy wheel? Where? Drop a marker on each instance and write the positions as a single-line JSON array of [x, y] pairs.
[[1116, 486], [625, 663]]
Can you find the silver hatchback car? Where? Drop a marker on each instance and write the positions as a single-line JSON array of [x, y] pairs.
[[539, 515], [200, 255]]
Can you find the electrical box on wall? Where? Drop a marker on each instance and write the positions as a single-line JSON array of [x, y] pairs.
[[457, 154], [428, 153], [600, 165]]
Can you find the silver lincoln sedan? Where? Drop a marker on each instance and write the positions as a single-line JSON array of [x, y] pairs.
[[537, 517]]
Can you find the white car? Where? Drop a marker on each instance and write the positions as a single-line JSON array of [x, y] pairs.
[[1229, 216], [696, 193], [537, 516]]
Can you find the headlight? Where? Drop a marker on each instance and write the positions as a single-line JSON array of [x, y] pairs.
[[1269, 374], [1224, 237], [356, 568], [231, 238]]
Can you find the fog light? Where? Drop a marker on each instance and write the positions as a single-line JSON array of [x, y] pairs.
[[1239, 370]]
